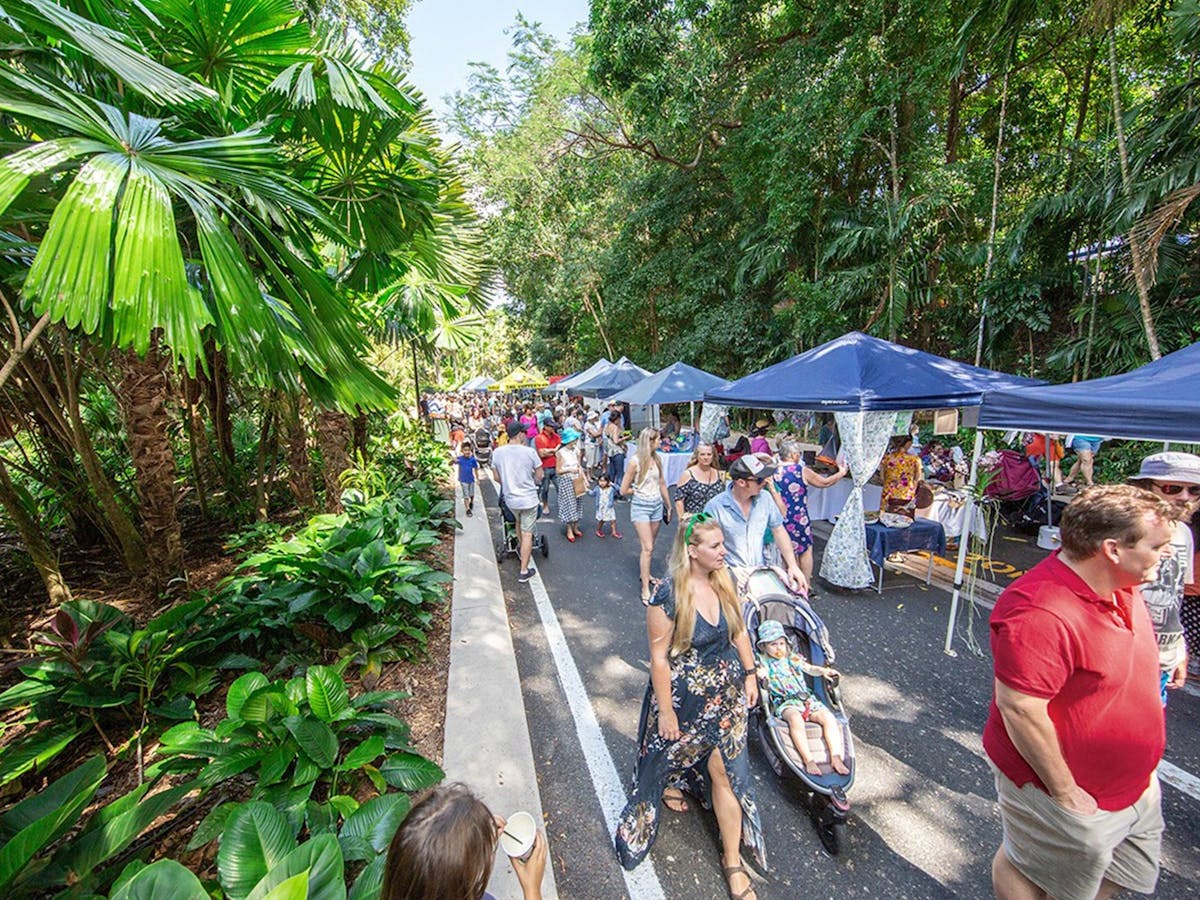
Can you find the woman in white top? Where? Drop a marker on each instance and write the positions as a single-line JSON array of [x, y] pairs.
[[568, 467], [651, 504]]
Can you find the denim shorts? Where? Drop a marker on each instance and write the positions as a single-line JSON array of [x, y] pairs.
[[642, 510], [1085, 443]]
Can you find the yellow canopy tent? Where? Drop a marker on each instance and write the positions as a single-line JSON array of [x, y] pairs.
[[519, 379]]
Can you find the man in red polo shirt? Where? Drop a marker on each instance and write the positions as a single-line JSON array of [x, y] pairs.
[[1075, 728], [546, 444]]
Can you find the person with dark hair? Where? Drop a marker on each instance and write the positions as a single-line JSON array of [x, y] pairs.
[[446, 846], [1076, 730], [901, 475]]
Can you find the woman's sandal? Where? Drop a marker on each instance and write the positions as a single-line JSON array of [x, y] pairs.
[[675, 802], [749, 890]]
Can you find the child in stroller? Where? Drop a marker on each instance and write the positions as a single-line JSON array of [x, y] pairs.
[[483, 445], [510, 541], [782, 672]]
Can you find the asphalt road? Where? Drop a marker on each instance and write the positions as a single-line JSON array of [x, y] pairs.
[[924, 822]]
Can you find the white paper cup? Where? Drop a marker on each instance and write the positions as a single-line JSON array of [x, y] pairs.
[[519, 835]]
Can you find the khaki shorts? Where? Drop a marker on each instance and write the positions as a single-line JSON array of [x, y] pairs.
[[1068, 855], [526, 518]]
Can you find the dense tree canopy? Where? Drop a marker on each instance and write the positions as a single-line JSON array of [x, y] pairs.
[[731, 182]]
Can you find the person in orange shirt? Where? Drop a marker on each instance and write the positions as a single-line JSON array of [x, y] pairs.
[[901, 475]]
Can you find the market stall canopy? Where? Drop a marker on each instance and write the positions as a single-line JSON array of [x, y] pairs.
[[1160, 401], [518, 379], [618, 376], [860, 372], [678, 383], [479, 383], [600, 365]]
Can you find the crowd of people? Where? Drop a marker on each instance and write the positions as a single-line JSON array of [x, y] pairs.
[[1086, 645]]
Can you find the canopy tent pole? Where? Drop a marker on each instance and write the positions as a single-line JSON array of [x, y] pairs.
[[692, 404], [968, 520], [1049, 478]]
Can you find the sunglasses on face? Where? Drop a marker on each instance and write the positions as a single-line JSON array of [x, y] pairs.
[[1171, 490]]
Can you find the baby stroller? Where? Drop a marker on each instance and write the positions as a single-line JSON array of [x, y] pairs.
[[1016, 486], [483, 446], [510, 544], [767, 597]]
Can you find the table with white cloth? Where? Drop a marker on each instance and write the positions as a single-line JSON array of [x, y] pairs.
[[673, 464], [825, 504], [950, 509]]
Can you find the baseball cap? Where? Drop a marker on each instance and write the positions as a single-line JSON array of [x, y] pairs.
[[770, 630], [752, 466], [515, 428], [1170, 465], [550, 423]]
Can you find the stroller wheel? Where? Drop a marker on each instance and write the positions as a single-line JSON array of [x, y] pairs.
[[545, 546], [830, 823]]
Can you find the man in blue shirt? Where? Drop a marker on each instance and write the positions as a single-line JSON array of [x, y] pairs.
[[745, 515]]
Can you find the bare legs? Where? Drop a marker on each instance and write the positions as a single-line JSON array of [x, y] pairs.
[[646, 532], [805, 560], [526, 545], [1085, 460], [729, 822], [831, 731], [1009, 884]]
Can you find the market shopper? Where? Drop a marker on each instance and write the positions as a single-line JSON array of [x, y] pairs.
[[699, 483], [1076, 729], [517, 469], [650, 506], [568, 466], [1175, 477], [792, 481], [546, 444]]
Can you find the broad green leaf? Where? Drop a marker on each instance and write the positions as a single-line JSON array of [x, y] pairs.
[[370, 828], [368, 751], [162, 879], [36, 749], [241, 689], [38, 820], [369, 884], [212, 825], [256, 840], [327, 694], [316, 739], [295, 888], [321, 858], [23, 693], [410, 771]]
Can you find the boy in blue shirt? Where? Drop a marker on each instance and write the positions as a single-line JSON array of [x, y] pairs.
[[467, 465]]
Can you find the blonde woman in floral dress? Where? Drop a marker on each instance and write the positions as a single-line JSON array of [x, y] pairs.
[[692, 734]]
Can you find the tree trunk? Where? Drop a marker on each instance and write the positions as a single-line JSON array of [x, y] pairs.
[[360, 433], [300, 478], [217, 399], [333, 439], [143, 395], [197, 440], [991, 244], [1141, 270], [32, 535]]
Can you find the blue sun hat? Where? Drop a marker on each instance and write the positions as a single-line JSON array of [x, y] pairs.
[[770, 630], [569, 436]]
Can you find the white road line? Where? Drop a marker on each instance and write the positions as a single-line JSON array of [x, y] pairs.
[[643, 881], [1179, 779]]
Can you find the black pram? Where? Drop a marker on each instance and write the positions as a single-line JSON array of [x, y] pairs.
[[483, 446]]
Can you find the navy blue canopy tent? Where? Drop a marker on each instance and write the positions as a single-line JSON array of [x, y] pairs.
[[678, 383], [620, 375], [860, 372], [1160, 401], [568, 384]]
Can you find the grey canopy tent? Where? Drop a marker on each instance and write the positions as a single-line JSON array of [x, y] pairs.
[[677, 383], [1159, 401], [618, 376], [864, 381], [567, 384], [479, 383]]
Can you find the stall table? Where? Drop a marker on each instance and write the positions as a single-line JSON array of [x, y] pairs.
[[825, 504], [949, 509], [922, 534]]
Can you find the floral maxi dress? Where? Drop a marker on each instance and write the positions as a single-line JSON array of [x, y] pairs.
[[708, 693]]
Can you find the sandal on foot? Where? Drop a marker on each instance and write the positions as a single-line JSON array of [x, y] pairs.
[[599, 533], [675, 802], [729, 871]]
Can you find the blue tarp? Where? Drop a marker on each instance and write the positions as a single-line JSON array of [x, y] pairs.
[[617, 377], [858, 372], [568, 383], [1160, 401], [678, 383]]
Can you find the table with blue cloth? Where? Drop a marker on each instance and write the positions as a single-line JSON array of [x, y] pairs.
[[922, 534]]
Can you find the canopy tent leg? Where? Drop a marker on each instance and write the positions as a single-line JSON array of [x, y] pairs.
[[692, 404], [1049, 478], [963, 542]]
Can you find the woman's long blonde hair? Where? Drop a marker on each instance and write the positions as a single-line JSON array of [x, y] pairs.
[[681, 577], [645, 452]]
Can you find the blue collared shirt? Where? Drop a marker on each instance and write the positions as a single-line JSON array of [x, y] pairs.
[[744, 536]]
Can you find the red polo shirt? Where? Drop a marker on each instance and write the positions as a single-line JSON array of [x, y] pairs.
[[1096, 661], [546, 441]]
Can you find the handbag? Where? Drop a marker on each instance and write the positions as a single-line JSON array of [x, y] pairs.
[[580, 483]]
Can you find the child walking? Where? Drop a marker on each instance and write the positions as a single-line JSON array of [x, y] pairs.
[[467, 466], [793, 700], [605, 496]]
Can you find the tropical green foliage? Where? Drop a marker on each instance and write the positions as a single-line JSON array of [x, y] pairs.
[[681, 174]]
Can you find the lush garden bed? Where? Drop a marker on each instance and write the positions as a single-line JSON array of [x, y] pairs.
[[246, 741]]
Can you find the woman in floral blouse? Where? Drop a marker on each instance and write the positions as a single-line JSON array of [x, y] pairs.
[[692, 733], [901, 474]]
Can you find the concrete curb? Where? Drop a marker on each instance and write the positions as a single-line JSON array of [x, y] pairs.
[[486, 744]]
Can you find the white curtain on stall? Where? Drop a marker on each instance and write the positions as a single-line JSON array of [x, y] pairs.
[[865, 436]]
